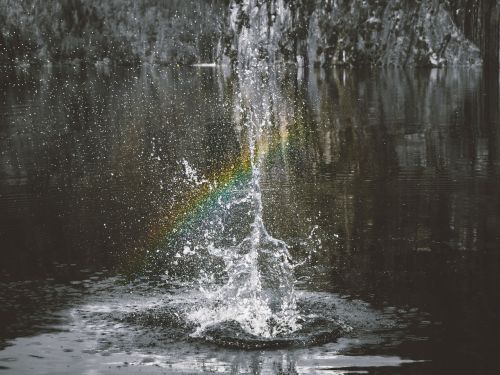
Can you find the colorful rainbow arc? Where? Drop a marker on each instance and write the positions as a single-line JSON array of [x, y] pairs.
[[200, 200]]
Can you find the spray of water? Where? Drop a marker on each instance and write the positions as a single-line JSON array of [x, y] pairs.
[[258, 292]]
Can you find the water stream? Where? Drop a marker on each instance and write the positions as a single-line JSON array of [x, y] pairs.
[[253, 303]]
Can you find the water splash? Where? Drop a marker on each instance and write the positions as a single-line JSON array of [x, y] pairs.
[[258, 293], [192, 174]]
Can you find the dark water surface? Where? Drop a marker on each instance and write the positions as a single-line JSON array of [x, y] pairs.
[[385, 183]]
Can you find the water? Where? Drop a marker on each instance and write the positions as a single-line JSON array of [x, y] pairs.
[[259, 294], [190, 220]]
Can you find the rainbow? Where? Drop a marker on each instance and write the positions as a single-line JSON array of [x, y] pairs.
[[191, 206], [199, 201]]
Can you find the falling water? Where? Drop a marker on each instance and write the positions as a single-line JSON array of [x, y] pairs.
[[258, 295]]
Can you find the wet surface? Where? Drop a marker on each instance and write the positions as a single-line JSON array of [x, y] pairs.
[[383, 183]]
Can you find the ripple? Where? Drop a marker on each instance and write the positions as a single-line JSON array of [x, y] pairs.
[[129, 321], [117, 325], [230, 334]]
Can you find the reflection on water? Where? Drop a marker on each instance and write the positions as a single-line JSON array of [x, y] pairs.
[[89, 159], [385, 183]]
